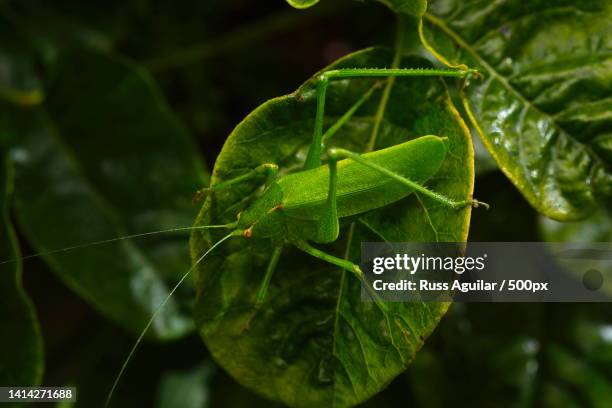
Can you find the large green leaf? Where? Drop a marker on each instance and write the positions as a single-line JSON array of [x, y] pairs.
[[21, 354], [106, 158], [543, 107], [314, 342]]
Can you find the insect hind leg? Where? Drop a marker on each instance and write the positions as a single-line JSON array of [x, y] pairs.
[[313, 159], [347, 154], [400, 322], [333, 129]]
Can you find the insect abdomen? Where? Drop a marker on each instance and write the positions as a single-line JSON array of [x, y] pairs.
[[361, 188]]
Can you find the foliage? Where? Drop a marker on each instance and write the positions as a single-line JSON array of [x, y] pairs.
[[543, 106], [544, 355], [325, 346], [105, 108], [21, 345], [140, 180]]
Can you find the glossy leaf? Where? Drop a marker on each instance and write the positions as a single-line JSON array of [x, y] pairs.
[[104, 159], [314, 342], [21, 353], [302, 4], [543, 106]]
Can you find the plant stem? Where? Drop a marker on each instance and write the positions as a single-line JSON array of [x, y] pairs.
[[241, 37]]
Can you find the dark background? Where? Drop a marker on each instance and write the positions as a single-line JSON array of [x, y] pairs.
[[215, 62]]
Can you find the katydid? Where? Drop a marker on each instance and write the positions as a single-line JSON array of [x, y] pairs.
[[309, 205]]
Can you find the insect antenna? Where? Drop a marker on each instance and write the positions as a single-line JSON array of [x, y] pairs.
[[156, 313], [116, 239]]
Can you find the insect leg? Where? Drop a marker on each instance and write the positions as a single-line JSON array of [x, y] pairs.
[[400, 321], [349, 113], [399, 72], [268, 169], [263, 287], [328, 227], [324, 256], [344, 264], [343, 153], [313, 159], [319, 139]]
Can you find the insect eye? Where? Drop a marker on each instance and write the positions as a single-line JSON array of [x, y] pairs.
[[247, 233]]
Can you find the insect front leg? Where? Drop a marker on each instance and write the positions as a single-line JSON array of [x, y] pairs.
[[319, 140], [270, 170]]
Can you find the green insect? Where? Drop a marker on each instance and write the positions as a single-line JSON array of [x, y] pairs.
[[309, 205]]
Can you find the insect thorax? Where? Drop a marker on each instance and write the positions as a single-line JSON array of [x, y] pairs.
[[264, 218]]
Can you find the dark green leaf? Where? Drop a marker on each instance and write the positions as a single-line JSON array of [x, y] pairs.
[[21, 349], [543, 107], [520, 356], [523, 355], [314, 342], [107, 158]]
